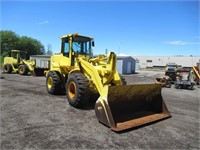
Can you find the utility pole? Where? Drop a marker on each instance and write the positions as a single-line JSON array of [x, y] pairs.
[[106, 52], [119, 48], [49, 51]]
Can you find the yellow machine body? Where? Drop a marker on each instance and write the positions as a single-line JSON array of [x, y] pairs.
[[119, 106]]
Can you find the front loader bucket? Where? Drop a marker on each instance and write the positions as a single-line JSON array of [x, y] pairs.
[[129, 106]]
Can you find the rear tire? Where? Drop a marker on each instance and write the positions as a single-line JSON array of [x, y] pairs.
[[54, 83], [7, 68], [23, 70], [77, 90]]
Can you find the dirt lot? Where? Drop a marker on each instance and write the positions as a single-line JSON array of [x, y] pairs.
[[33, 119]]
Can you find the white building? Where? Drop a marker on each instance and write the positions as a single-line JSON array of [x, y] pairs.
[[161, 61]]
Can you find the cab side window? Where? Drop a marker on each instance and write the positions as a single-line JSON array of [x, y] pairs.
[[65, 47], [14, 55]]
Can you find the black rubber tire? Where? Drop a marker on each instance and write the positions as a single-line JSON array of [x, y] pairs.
[[94, 96], [176, 86], [23, 69], [77, 90], [191, 87], [123, 80], [55, 87], [7, 68]]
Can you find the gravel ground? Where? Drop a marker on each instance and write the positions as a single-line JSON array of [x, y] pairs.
[[33, 119]]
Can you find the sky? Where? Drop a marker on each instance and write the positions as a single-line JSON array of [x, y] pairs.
[[135, 28]]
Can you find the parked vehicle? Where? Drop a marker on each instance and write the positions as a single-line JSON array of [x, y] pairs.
[[171, 70], [184, 79], [17, 63]]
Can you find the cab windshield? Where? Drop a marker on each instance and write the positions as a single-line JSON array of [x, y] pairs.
[[82, 45], [22, 55]]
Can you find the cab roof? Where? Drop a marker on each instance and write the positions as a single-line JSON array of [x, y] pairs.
[[18, 51], [75, 35]]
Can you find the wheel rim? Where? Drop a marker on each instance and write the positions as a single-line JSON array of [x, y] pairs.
[[72, 90], [21, 70], [49, 82]]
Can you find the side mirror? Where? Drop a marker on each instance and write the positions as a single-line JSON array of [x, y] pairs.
[[93, 43]]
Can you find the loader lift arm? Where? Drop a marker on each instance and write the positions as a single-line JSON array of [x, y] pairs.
[[102, 78]]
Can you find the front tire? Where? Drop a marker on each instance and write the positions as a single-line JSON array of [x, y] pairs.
[[23, 70], [77, 90], [53, 83]]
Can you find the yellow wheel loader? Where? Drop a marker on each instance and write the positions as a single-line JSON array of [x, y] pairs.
[[118, 106], [18, 63]]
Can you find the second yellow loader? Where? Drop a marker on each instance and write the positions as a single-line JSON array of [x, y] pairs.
[[17, 62], [82, 77]]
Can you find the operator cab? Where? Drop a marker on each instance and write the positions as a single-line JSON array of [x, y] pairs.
[[76, 45], [18, 55]]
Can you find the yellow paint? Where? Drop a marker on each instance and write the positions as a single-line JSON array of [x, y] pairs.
[[49, 82]]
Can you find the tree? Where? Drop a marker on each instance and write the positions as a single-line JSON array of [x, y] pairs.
[[32, 46], [10, 40]]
